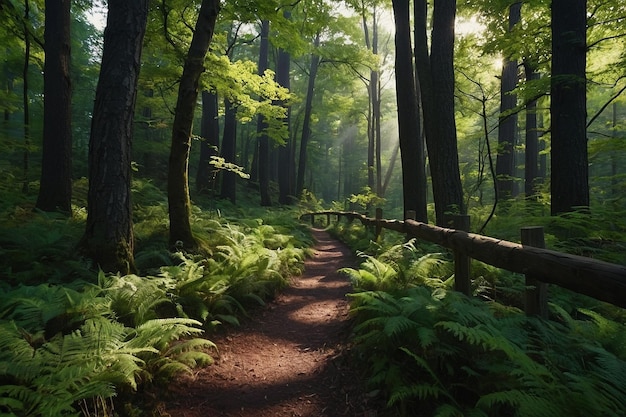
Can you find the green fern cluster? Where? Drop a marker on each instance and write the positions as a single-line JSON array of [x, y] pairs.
[[249, 263], [400, 267], [60, 347], [450, 355]]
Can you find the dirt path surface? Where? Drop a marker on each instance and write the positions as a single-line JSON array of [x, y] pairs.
[[289, 360]]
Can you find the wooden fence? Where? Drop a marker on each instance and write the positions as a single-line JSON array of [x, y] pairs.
[[601, 280]]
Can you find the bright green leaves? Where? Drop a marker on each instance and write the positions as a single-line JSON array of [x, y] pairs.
[[449, 355], [59, 347]]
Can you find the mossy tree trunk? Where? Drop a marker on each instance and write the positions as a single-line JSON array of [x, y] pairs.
[[178, 172], [108, 238]]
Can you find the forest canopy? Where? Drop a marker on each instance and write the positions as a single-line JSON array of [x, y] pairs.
[[155, 157]]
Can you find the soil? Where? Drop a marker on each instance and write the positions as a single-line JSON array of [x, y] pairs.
[[291, 360]]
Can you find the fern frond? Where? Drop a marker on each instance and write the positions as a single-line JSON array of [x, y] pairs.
[[399, 324], [527, 404], [415, 391], [448, 410]]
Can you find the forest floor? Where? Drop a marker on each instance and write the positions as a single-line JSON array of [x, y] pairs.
[[291, 359]]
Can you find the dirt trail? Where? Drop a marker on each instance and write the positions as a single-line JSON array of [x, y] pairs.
[[287, 361]]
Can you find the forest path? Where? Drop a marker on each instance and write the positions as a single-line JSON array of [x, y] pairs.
[[289, 360]]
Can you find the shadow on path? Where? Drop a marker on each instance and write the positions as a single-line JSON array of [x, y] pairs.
[[288, 360]]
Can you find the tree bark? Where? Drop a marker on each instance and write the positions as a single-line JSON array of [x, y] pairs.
[[178, 171], [55, 190], [412, 155], [569, 158], [308, 109], [108, 238], [531, 154], [263, 139], [447, 181], [436, 80], [25, 98], [286, 165], [507, 127], [229, 151], [209, 146]]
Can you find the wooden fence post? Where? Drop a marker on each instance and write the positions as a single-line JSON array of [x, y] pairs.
[[462, 282], [536, 291], [379, 217], [327, 219]]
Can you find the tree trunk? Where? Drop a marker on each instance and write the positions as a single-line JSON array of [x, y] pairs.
[[507, 128], [285, 159], [25, 98], [531, 155], [108, 238], [569, 159], [178, 172], [614, 193], [308, 109], [229, 151], [55, 190], [264, 145], [436, 80], [209, 146], [412, 155]]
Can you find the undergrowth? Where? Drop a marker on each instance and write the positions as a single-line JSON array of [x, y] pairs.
[[430, 351], [74, 341]]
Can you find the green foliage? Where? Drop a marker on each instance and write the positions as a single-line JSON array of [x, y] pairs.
[[398, 268], [73, 339], [60, 347], [366, 199], [39, 247], [447, 354]]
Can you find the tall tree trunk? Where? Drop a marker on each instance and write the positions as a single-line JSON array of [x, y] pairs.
[[569, 158], [531, 155], [389, 173], [436, 80], [306, 124], [209, 146], [408, 117], [55, 190], [108, 238], [507, 128], [178, 171], [285, 158], [370, 107], [376, 113], [264, 145], [25, 99], [229, 151], [614, 159]]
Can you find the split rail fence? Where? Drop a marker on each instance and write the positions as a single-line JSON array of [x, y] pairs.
[[601, 280]]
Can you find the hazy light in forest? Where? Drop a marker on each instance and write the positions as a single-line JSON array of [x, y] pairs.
[[97, 16]]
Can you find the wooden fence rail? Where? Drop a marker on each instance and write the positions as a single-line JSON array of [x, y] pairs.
[[601, 280]]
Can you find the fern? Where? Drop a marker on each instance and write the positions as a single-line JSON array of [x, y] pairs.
[[466, 357], [60, 347]]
